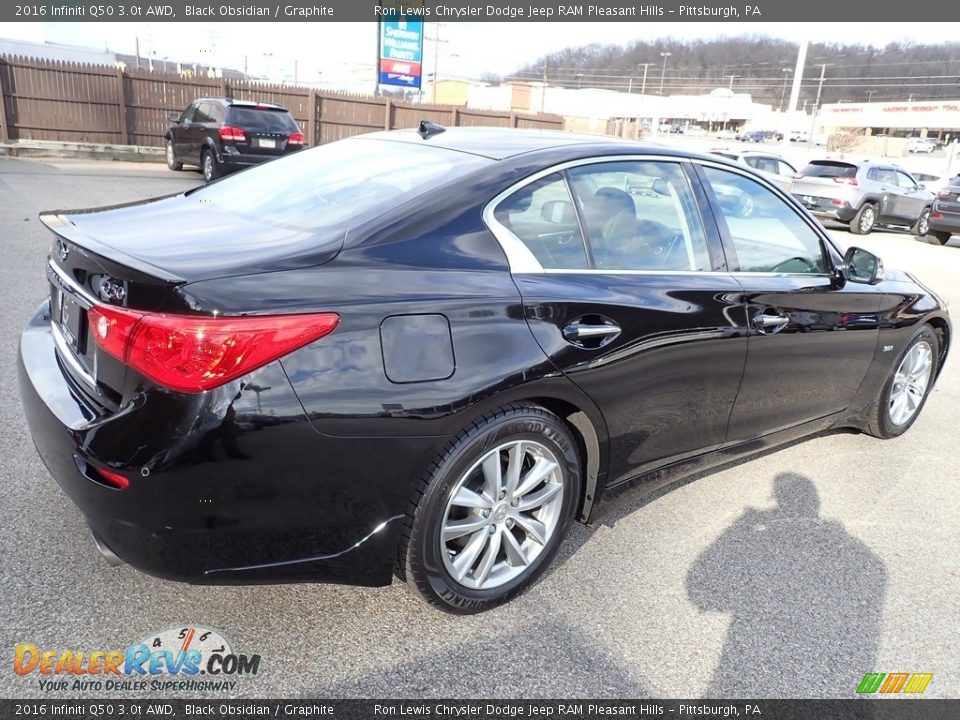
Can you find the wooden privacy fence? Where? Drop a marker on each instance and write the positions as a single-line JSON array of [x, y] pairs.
[[70, 102]]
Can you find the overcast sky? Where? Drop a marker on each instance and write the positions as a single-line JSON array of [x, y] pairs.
[[325, 52]]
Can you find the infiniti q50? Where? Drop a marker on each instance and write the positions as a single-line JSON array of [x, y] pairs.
[[428, 353]]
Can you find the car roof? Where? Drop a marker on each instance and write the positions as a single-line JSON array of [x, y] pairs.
[[502, 143], [242, 103]]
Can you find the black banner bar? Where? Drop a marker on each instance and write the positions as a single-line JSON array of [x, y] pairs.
[[473, 10], [127, 709]]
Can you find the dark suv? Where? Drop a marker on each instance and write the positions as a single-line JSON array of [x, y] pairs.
[[220, 134]]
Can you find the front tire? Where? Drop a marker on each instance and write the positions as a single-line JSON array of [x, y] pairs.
[[491, 511], [941, 237], [906, 390], [864, 220]]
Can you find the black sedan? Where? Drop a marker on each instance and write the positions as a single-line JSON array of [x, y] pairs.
[[427, 353]]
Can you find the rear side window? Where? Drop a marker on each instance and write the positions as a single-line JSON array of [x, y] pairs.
[[260, 120], [541, 215], [336, 184], [830, 169]]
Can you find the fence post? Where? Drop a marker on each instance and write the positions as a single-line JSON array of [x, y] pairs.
[[388, 115], [455, 117], [318, 115], [513, 120], [4, 130], [122, 108], [223, 87], [312, 117]]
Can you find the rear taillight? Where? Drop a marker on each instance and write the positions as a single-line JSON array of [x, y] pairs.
[[936, 216], [846, 180], [193, 353], [943, 194], [113, 479], [232, 134], [798, 176], [296, 138]]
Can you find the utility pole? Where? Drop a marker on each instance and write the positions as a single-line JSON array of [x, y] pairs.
[[543, 90], [816, 104], [783, 90], [870, 94], [643, 87], [663, 72], [731, 80]]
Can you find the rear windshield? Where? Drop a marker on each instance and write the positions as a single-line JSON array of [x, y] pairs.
[[262, 120], [830, 169], [337, 183]]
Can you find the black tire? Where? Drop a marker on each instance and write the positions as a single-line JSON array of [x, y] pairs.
[[419, 559], [209, 165], [922, 226], [881, 425], [172, 158], [865, 219], [941, 237]]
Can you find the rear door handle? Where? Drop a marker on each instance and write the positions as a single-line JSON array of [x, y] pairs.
[[591, 334], [770, 321]]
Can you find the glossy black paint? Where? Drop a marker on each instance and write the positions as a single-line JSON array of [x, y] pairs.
[[301, 470]]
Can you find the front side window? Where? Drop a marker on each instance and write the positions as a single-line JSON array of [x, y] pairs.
[[905, 181], [640, 215], [766, 233]]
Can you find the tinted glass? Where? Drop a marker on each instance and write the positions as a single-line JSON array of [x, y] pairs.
[[337, 183], [204, 113], [189, 114], [767, 233], [905, 181], [542, 217], [826, 168], [786, 168], [640, 216], [254, 120]]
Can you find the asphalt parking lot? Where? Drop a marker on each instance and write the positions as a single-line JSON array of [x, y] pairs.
[[790, 575]]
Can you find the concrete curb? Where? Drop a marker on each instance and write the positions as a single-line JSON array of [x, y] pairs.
[[85, 151]]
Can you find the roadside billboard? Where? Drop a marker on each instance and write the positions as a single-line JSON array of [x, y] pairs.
[[401, 52]]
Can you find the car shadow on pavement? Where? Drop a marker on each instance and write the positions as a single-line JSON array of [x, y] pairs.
[[805, 597], [542, 659]]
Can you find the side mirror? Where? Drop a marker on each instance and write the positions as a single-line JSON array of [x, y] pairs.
[[661, 187], [558, 212], [862, 266], [174, 117]]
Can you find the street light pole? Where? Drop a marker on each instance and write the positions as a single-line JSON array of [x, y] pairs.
[[783, 90], [643, 87], [663, 72]]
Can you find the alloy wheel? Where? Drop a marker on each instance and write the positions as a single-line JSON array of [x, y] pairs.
[[207, 166], [170, 158], [501, 514], [867, 220], [924, 225], [910, 383]]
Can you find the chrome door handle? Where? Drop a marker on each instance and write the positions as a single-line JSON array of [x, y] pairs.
[[764, 322], [591, 335], [576, 331]]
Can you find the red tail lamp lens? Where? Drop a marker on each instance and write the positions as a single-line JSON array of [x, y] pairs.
[[193, 353]]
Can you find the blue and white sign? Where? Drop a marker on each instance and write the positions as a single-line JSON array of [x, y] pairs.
[[401, 52]]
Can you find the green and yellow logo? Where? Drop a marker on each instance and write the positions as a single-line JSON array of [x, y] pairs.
[[894, 683]]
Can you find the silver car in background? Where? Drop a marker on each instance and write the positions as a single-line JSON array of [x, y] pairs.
[[773, 167], [863, 194]]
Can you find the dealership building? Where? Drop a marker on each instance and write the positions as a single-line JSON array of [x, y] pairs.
[[938, 119]]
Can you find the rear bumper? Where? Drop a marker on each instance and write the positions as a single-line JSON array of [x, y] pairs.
[[233, 159], [224, 487], [822, 207], [947, 222]]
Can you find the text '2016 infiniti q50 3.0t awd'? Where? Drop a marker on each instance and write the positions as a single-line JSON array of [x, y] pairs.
[[427, 353]]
